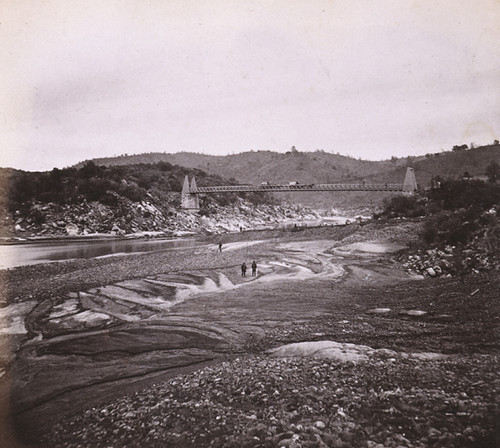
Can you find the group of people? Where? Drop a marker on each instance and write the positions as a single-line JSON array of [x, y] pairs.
[[244, 265], [244, 269]]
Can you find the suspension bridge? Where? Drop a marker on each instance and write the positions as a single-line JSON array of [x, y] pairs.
[[190, 192]]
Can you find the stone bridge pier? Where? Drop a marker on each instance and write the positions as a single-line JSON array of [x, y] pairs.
[[189, 201], [410, 183]]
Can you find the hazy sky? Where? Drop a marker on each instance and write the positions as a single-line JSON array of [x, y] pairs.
[[370, 79]]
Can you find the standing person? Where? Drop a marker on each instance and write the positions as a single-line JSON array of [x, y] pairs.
[[254, 268], [220, 246], [243, 270]]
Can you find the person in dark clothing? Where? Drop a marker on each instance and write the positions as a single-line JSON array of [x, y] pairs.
[[220, 246], [254, 268], [243, 270]]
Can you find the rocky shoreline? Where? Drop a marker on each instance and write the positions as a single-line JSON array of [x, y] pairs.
[[144, 218], [28, 282]]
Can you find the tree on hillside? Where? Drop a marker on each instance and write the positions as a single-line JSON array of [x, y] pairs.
[[493, 171], [90, 169]]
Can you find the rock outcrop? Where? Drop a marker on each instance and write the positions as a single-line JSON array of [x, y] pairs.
[[149, 218], [451, 260]]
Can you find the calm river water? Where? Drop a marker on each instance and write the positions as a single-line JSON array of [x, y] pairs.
[[12, 255]]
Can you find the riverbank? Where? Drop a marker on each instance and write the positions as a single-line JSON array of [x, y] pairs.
[[245, 397], [30, 282]]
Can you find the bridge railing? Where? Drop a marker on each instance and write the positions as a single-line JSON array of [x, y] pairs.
[[190, 191], [297, 187]]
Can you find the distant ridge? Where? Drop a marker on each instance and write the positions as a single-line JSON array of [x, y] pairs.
[[260, 166], [322, 167], [318, 166]]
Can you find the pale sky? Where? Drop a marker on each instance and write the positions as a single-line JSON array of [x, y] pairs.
[[369, 79]]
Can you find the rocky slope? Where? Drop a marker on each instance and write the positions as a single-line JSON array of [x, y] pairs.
[[147, 217]]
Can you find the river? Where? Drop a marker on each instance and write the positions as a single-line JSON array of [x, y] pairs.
[[13, 255], [46, 251]]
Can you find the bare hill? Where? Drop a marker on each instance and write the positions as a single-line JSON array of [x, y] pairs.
[[259, 166], [320, 166]]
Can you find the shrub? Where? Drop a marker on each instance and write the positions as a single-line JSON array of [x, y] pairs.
[[404, 206], [448, 228], [260, 198], [493, 171], [94, 189], [37, 216], [23, 187], [109, 199], [226, 199], [455, 194], [164, 166], [132, 192], [90, 169]]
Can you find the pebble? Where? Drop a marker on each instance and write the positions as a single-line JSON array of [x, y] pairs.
[[217, 423], [319, 424]]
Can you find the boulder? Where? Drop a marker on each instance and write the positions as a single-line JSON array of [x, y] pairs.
[[72, 229], [431, 272], [116, 230]]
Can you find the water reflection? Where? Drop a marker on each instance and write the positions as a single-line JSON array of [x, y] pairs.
[[33, 253]]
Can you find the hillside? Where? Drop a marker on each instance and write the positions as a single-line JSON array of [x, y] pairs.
[[260, 166], [322, 167], [128, 199], [454, 164]]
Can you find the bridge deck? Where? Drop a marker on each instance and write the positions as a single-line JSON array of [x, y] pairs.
[[298, 187]]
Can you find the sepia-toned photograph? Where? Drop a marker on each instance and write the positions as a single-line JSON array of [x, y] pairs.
[[249, 223]]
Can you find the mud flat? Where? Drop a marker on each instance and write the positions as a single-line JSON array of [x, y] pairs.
[[80, 342]]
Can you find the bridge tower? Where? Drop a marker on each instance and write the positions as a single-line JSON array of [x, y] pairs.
[[410, 183], [189, 201]]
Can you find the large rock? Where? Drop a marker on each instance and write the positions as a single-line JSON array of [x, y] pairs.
[[431, 272], [72, 230]]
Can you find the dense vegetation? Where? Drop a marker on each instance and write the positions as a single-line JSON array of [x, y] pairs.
[[107, 185], [454, 212], [94, 183]]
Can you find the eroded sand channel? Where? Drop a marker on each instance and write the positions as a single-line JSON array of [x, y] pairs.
[[95, 344]]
